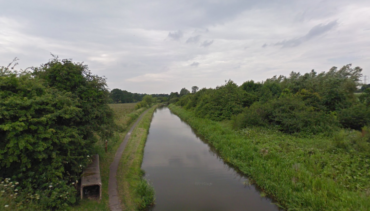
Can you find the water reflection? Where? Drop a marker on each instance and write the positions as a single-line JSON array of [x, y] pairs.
[[187, 175]]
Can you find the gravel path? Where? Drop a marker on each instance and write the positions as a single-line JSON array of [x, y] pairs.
[[114, 200]]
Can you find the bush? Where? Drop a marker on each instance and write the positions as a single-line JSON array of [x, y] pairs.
[[47, 126], [221, 103], [289, 114], [184, 100], [354, 117]]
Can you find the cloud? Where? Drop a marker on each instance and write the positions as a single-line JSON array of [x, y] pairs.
[[207, 43], [194, 64], [264, 45], [194, 39], [314, 32], [129, 43], [175, 35]]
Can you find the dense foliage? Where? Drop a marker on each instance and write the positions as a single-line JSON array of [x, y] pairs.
[[49, 122], [147, 101], [310, 103]]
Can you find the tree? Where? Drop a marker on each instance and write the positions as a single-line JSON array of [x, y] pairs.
[[184, 91], [194, 89], [148, 99]]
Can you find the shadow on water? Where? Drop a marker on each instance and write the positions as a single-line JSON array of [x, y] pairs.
[[187, 173]]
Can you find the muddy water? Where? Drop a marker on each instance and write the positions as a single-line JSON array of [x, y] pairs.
[[188, 176]]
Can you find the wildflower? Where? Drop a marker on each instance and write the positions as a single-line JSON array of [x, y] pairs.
[[80, 165], [12, 186], [76, 181], [16, 183], [15, 194], [16, 190], [6, 205], [73, 183], [50, 186], [2, 191], [2, 182], [88, 156]]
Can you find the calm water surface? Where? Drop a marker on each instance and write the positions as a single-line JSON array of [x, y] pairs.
[[188, 176]]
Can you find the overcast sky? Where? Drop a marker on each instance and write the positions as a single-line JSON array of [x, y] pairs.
[[160, 46]]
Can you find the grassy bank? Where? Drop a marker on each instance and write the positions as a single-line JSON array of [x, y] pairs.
[[135, 192], [300, 173], [125, 115]]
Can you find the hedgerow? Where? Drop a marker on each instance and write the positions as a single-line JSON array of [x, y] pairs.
[[49, 121]]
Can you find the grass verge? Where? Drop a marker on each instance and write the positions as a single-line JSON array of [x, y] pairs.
[[300, 173], [125, 115], [134, 191]]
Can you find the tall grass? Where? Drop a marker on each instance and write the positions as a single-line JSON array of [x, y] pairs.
[[301, 173]]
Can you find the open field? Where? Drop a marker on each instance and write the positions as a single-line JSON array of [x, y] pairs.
[[301, 173]]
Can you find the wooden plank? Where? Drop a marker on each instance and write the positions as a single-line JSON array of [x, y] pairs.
[[91, 176]]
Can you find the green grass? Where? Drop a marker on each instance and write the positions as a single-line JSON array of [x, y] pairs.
[[135, 192], [300, 173]]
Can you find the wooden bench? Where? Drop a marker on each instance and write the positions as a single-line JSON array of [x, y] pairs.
[[91, 176]]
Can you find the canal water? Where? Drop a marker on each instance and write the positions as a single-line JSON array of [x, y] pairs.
[[187, 175]]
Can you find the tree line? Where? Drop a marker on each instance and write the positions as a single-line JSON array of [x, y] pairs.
[[123, 96], [308, 103]]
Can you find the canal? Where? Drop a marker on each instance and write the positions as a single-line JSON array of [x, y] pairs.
[[187, 175]]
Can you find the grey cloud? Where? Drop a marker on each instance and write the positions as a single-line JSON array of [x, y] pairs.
[[207, 43], [194, 64], [194, 39], [314, 32], [175, 35], [264, 45]]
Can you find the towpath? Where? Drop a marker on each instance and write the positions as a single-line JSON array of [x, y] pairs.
[[114, 200]]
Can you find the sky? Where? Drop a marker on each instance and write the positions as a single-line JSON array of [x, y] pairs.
[[161, 46]]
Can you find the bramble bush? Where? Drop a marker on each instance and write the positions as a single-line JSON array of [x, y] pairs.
[[48, 119]]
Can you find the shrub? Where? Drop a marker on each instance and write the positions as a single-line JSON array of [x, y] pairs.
[[289, 114], [354, 117], [141, 105], [184, 100], [47, 126], [221, 103]]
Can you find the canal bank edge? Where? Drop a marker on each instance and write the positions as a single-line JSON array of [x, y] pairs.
[[135, 193], [274, 173]]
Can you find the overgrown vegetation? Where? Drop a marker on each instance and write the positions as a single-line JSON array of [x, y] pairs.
[[50, 119], [304, 138], [311, 103]]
